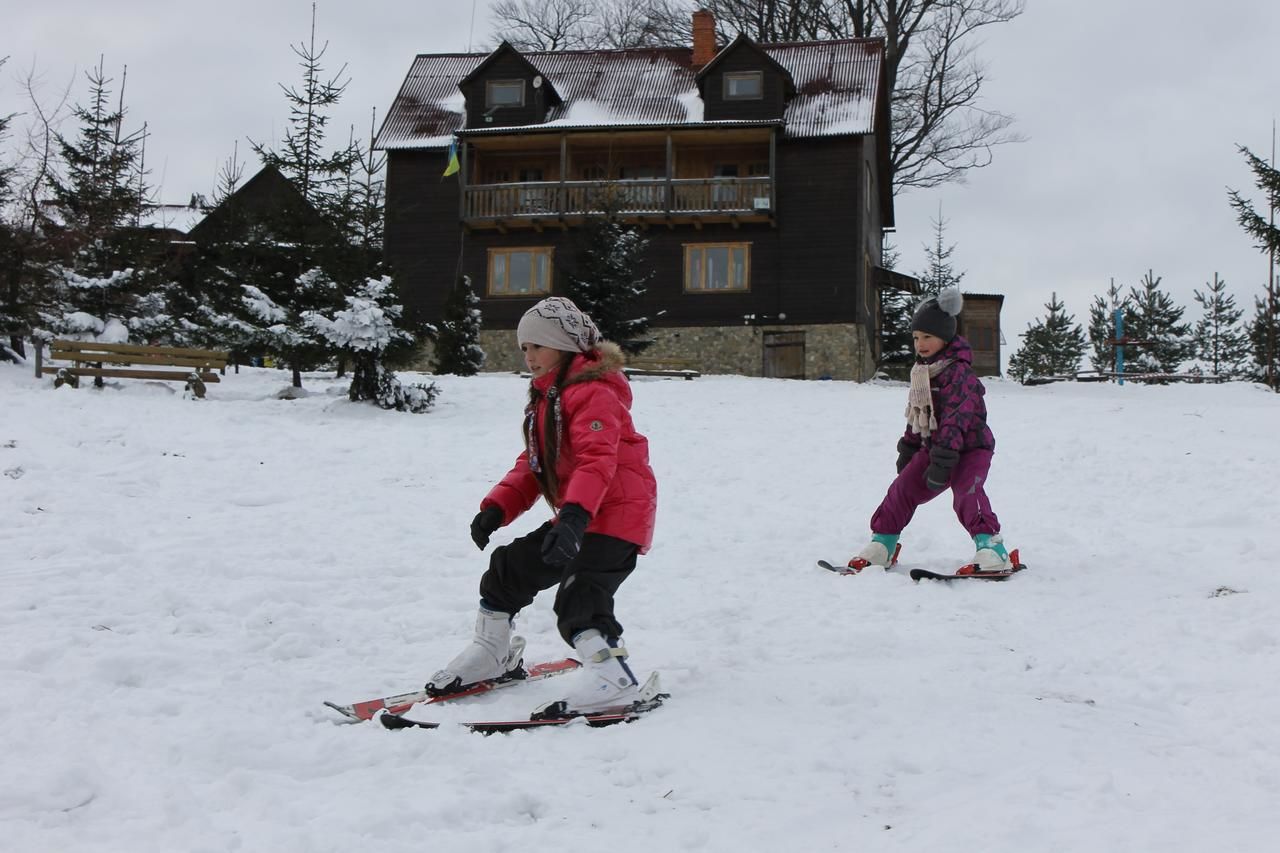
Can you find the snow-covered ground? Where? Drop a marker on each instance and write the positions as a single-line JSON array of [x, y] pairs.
[[182, 583]]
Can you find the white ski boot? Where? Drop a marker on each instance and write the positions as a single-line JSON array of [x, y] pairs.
[[605, 684], [492, 653], [990, 554]]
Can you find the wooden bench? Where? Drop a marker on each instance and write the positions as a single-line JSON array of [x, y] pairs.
[[195, 367], [671, 367]]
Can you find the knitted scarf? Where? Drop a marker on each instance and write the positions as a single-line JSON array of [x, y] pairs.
[[920, 414]]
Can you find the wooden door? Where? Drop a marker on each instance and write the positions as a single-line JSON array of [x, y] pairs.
[[784, 355]]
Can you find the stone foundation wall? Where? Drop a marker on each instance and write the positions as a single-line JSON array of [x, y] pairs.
[[830, 351]]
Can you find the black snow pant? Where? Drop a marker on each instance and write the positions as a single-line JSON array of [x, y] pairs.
[[517, 573]]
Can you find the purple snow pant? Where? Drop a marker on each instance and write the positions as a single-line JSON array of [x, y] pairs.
[[909, 491]]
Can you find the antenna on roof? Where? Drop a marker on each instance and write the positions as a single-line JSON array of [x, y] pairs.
[[471, 31]]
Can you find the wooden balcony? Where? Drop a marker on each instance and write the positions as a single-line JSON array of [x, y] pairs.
[[561, 204]]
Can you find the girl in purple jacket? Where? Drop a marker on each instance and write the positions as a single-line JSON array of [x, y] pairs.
[[947, 442]]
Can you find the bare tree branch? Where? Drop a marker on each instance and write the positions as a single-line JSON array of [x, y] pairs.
[[941, 128], [546, 24]]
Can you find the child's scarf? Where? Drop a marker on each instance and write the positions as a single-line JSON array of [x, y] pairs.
[[920, 414]]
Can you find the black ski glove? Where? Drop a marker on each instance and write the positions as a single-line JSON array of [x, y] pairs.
[[564, 539], [484, 524], [906, 450], [941, 461]]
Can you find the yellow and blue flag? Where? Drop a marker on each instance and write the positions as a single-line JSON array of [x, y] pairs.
[[452, 165]]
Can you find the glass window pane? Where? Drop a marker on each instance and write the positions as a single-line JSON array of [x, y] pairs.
[[543, 274], [521, 265], [506, 93], [718, 268], [746, 85], [499, 273]]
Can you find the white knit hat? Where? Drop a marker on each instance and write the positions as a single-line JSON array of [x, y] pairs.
[[557, 323]]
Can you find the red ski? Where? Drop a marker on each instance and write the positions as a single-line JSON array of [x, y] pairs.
[[650, 698], [402, 702]]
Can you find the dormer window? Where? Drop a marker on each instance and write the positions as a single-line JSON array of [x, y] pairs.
[[744, 86], [504, 93]]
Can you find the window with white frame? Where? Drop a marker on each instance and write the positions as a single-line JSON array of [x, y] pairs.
[[717, 267], [525, 271]]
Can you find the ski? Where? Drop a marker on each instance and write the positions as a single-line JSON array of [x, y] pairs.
[[857, 564], [972, 572], [360, 711], [651, 697]]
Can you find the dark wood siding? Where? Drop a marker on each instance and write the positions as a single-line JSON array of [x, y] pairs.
[[421, 239], [744, 58], [809, 267], [508, 66], [822, 252]]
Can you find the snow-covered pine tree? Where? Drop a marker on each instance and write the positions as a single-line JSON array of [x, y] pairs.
[[896, 308], [457, 346], [610, 277], [284, 330], [1221, 343], [1151, 315], [1050, 347], [302, 248], [940, 272], [366, 333], [207, 295], [1102, 328], [109, 275]]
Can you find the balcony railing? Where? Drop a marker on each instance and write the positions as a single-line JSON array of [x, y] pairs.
[[653, 197]]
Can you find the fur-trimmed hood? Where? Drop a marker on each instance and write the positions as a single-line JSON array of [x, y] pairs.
[[605, 358]]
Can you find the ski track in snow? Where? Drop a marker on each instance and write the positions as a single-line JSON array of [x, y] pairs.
[[184, 582]]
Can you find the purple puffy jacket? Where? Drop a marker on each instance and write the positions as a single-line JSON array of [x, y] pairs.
[[958, 403]]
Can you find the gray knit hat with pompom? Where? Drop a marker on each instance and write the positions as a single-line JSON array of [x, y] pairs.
[[936, 315]]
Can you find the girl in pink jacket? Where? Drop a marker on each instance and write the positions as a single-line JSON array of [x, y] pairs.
[[583, 455]]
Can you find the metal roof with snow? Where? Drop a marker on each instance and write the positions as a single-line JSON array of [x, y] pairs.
[[836, 82]]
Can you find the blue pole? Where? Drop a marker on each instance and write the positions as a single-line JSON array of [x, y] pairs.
[[1119, 346]]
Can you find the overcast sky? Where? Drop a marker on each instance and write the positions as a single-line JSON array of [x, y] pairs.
[[1131, 111]]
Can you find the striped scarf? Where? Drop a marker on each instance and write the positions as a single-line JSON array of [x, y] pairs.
[[920, 414]]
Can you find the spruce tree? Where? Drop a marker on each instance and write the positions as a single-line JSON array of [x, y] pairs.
[[940, 273], [1152, 316], [109, 276], [610, 277], [1050, 347], [1266, 237], [302, 249], [321, 176], [1102, 328], [457, 346], [1221, 344], [896, 307], [1264, 331]]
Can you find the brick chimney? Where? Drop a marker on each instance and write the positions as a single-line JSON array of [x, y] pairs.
[[704, 38]]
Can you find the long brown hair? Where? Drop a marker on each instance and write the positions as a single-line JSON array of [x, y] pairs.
[[548, 452]]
